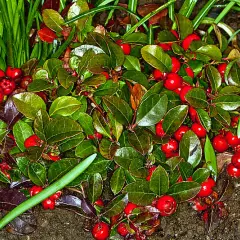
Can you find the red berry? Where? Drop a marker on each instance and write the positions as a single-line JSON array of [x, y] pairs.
[[234, 121], [85, 93], [2, 73], [159, 129], [222, 68], [193, 114], [98, 135], [219, 143], [211, 182], [198, 205], [183, 93], [106, 75], [236, 160], [158, 75], [54, 157], [187, 41], [150, 172], [124, 46], [180, 132], [26, 81], [175, 33], [35, 190], [91, 137], [165, 46], [13, 73], [122, 229], [189, 72], [170, 147], [129, 208], [99, 202], [33, 141], [5, 167], [173, 81], [199, 130], [43, 96], [233, 171], [166, 205], [178, 90], [205, 217], [1, 95], [56, 196], [206, 189], [48, 204], [100, 231], [7, 86], [175, 65], [232, 139]]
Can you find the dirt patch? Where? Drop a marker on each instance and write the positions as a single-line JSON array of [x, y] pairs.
[[184, 225]]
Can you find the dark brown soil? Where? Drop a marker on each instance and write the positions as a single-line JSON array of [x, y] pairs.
[[184, 225]]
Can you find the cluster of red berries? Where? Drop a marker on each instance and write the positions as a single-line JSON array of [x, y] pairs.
[[35, 141], [4, 167], [10, 79], [233, 169], [48, 203]]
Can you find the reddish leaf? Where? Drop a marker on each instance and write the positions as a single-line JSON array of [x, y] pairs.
[[147, 8], [47, 35], [51, 4]]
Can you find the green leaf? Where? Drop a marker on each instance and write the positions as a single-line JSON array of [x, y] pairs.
[[100, 124], [64, 78], [185, 26], [214, 78], [108, 148], [85, 149], [190, 148], [228, 102], [116, 54], [200, 175], [197, 98], [223, 117], [41, 74], [108, 88], [119, 108], [100, 63], [95, 80], [230, 90], [64, 106], [132, 63], [21, 132], [137, 168], [95, 187], [37, 174], [60, 168], [159, 182], [157, 58], [136, 37], [156, 88], [86, 123], [152, 110], [174, 118], [139, 193], [210, 157], [3, 178], [233, 76], [71, 142], [124, 156], [116, 127], [22, 163], [117, 180], [28, 104], [39, 85], [211, 51], [116, 206], [184, 191], [52, 65], [98, 166], [166, 36], [40, 122], [61, 128], [53, 20], [136, 77], [3, 130], [205, 119], [140, 140], [186, 170]]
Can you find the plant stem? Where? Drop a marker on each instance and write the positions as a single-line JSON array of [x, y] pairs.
[[171, 11], [32, 15], [187, 8], [203, 13], [222, 15], [147, 17], [111, 12], [47, 192]]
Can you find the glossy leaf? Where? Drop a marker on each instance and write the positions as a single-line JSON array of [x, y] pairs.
[[137, 168], [159, 182], [157, 58], [37, 174], [205, 119], [116, 127], [174, 118], [65, 79], [185, 26], [108, 148], [186, 170], [95, 187], [223, 117], [53, 20], [136, 77], [85, 149], [210, 51], [100, 125], [197, 98], [39, 85], [214, 78], [152, 110], [28, 104], [117, 180], [71, 143], [52, 65], [40, 122], [132, 63], [200, 175], [227, 102], [3, 178], [190, 148], [86, 123]]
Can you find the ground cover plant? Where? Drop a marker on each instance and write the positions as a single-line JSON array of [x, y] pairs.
[[141, 102]]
